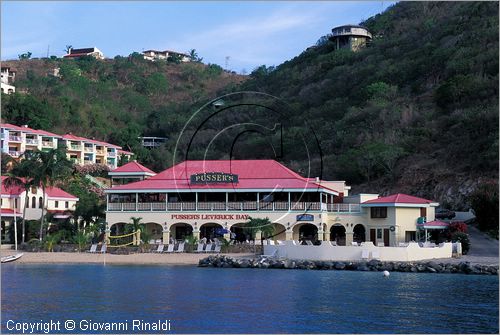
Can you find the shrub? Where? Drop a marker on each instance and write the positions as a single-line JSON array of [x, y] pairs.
[[456, 227], [463, 238]]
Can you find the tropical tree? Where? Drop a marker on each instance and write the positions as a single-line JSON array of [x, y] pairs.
[[52, 165], [194, 57], [68, 48], [26, 55], [22, 175], [255, 225]]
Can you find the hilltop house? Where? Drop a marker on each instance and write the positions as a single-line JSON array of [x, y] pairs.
[[350, 37], [8, 76], [153, 55], [76, 53]]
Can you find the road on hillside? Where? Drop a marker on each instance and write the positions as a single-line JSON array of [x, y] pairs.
[[481, 244]]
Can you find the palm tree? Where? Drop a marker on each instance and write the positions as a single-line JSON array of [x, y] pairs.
[[22, 175], [53, 165], [255, 225]]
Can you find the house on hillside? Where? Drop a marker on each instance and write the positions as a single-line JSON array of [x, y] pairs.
[[93, 52], [130, 172], [8, 76], [153, 55], [59, 205], [350, 36]]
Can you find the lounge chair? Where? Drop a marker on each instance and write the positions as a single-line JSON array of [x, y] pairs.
[[403, 244], [208, 247], [151, 241], [355, 244], [104, 247], [180, 247], [171, 247], [380, 244], [365, 254], [270, 242], [160, 248], [200, 247], [308, 242], [333, 243], [376, 254], [217, 248], [280, 242], [93, 248]]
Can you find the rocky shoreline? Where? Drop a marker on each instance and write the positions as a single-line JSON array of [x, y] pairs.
[[221, 261]]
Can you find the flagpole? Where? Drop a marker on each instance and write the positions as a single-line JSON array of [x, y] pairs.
[[15, 229]]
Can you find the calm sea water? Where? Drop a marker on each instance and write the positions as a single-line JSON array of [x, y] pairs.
[[207, 300]]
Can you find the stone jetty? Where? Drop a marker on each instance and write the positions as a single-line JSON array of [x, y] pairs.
[[263, 262]]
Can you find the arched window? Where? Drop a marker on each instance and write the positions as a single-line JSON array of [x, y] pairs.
[[33, 202], [40, 202]]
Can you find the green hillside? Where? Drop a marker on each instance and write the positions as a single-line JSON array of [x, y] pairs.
[[416, 111]]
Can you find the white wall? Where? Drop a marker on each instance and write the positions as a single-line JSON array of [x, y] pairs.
[[325, 251]]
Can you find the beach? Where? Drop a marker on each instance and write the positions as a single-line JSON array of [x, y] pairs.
[[139, 258]]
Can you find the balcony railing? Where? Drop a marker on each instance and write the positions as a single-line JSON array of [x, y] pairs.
[[88, 149], [14, 138], [233, 206], [32, 141], [111, 154], [14, 153], [75, 147]]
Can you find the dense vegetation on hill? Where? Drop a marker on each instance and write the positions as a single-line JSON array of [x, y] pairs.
[[416, 111]]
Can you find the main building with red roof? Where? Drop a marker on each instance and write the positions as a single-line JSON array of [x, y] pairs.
[[215, 198]]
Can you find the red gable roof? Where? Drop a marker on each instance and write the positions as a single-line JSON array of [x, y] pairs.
[[28, 130], [14, 190], [9, 212], [399, 198], [56, 192], [252, 174], [133, 167], [71, 137]]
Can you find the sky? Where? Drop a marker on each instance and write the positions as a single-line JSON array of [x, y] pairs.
[[250, 33]]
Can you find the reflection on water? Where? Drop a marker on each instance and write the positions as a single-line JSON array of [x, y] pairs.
[[207, 300]]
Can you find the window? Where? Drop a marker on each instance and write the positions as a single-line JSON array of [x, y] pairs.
[[379, 233], [66, 205], [33, 202], [40, 202], [379, 212], [33, 190], [57, 204]]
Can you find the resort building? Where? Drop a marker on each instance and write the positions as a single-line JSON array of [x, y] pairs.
[[216, 198], [77, 53], [8, 76], [152, 142], [350, 36], [58, 204], [153, 55], [15, 140]]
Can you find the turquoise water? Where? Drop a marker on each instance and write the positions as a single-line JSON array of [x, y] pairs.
[[208, 300]]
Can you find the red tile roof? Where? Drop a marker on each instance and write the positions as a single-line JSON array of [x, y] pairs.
[[133, 167], [71, 137], [14, 190], [399, 198], [252, 174], [28, 130]]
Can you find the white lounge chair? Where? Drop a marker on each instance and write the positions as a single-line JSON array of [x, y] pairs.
[[280, 242], [355, 244], [375, 254], [160, 248], [308, 242], [333, 243], [208, 247], [104, 247], [270, 242], [180, 247], [403, 244], [171, 247], [93, 248], [380, 244], [365, 254], [200, 248], [217, 248], [151, 241]]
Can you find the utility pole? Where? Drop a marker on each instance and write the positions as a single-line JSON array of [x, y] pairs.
[[227, 62]]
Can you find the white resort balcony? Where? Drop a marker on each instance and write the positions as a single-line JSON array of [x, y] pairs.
[[14, 153], [232, 206], [13, 138], [48, 144], [31, 141]]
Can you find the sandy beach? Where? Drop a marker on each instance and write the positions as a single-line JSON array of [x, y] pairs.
[[140, 258]]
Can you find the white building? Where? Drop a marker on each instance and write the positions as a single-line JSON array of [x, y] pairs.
[[153, 55], [76, 53], [8, 75]]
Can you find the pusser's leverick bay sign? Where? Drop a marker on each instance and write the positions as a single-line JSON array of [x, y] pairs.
[[213, 178]]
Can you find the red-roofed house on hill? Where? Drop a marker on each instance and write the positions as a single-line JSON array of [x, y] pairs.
[[77, 53], [57, 202], [215, 198]]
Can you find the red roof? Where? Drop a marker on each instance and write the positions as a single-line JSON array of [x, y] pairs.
[[71, 137], [56, 192], [28, 130], [252, 174], [8, 212], [435, 223], [399, 198], [133, 167], [14, 190], [125, 152]]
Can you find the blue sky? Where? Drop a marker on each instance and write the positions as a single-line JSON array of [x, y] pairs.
[[250, 33]]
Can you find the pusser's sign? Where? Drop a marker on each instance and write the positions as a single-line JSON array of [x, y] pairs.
[[213, 178]]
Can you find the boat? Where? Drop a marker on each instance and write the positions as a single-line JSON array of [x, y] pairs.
[[11, 258]]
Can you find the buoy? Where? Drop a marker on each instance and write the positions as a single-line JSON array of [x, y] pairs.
[[386, 273]]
